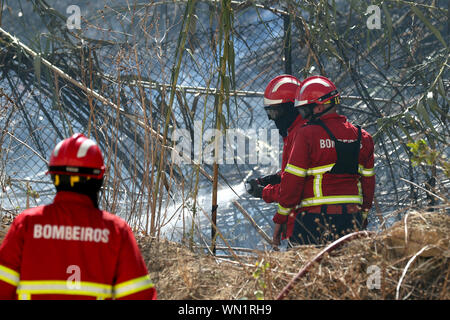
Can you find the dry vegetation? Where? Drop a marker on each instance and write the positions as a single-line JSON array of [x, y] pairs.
[[413, 261]]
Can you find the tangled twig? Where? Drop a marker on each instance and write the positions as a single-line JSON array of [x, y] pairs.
[[336, 244], [397, 293]]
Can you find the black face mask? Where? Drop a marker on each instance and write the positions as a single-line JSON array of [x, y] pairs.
[[286, 119]]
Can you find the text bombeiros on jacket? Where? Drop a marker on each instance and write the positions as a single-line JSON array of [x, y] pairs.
[[76, 233]]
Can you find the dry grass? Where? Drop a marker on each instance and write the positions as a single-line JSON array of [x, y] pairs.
[[179, 273], [347, 273], [412, 260]]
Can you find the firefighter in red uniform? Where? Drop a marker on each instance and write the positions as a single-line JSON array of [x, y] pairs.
[[279, 98], [328, 182], [70, 249]]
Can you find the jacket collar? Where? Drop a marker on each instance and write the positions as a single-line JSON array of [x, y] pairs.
[[68, 196], [333, 116], [297, 121]]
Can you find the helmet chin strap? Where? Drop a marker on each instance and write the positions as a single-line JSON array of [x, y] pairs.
[[318, 115], [307, 111]]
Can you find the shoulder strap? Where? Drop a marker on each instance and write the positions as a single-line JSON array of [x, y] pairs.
[[359, 135], [320, 123]]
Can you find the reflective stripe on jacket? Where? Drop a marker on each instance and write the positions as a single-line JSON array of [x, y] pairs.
[[71, 250], [98, 290]]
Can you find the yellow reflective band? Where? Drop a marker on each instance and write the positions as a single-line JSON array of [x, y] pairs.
[[65, 287], [132, 286], [366, 172], [297, 171], [320, 169], [24, 296], [318, 186], [331, 200], [9, 276], [283, 211]]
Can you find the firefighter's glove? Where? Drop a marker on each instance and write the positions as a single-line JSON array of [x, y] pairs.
[[270, 179], [254, 188]]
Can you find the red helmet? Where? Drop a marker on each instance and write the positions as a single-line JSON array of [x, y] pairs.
[[77, 155], [317, 90], [281, 89]]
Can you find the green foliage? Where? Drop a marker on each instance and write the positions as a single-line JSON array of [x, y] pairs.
[[260, 276], [423, 154], [32, 193]]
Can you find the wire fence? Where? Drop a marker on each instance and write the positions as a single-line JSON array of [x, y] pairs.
[[130, 74]]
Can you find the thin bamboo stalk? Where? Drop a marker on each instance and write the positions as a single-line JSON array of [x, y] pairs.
[[175, 73], [253, 222]]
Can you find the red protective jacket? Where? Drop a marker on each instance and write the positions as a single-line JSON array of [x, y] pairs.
[[305, 182], [271, 193], [71, 250]]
